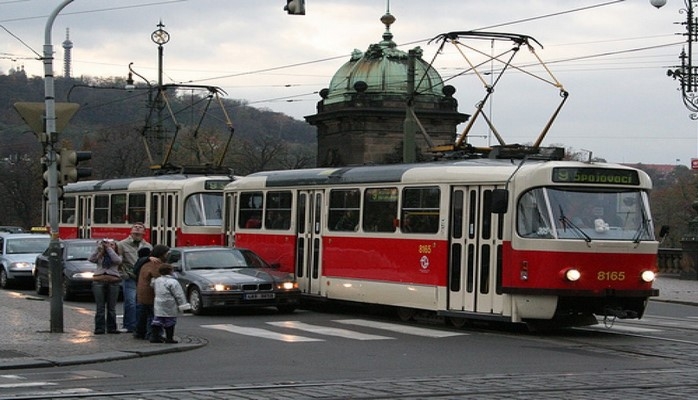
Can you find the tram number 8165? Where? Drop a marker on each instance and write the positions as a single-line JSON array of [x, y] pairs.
[[610, 276]]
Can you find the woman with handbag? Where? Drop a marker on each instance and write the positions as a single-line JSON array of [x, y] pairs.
[[106, 284]]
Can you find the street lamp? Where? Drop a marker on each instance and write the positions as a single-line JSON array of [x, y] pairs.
[[686, 73]]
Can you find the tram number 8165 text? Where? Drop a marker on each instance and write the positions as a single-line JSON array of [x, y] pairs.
[[610, 276]]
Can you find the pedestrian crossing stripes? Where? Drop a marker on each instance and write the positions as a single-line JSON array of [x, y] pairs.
[[261, 333], [332, 331], [405, 329], [323, 330]]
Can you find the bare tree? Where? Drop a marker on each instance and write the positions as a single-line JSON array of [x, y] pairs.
[[21, 185]]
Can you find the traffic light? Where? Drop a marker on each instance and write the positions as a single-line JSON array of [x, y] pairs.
[[44, 175], [68, 170], [295, 7]]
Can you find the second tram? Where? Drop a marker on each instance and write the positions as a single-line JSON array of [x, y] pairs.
[[520, 241], [176, 209]]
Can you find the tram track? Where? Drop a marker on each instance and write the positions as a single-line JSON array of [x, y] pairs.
[[585, 385]]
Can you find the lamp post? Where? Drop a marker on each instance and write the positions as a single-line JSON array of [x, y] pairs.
[[686, 73], [159, 37], [55, 259], [153, 135]]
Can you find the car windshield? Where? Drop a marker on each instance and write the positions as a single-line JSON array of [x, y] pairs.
[[27, 245], [222, 259], [79, 251], [547, 213]]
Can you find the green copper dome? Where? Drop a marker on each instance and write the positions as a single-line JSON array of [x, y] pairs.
[[382, 70]]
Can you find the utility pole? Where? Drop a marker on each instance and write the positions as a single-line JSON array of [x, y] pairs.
[[55, 259]]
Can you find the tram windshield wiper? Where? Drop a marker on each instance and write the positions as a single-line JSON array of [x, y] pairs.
[[640, 230], [579, 231]]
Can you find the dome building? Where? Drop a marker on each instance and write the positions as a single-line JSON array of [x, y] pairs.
[[361, 117]]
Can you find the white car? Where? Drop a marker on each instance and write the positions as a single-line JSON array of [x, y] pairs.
[[18, 253]]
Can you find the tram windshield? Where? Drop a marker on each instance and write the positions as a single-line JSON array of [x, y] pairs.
[[204, 209], [571, 213]]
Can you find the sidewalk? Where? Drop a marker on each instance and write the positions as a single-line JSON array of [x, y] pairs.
[[675, 290], [25, 340]]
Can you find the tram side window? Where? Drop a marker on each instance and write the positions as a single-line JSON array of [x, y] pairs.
[[68, 210], [204, 209], [101, 211], [136, 207], [278, 209], [380, 210], [250, 210], [118, 208], [344, 210], [420, 210], [533, 220]]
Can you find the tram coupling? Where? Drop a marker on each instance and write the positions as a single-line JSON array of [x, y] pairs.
[[618, 312]]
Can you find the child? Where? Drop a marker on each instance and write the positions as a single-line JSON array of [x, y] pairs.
[[169, 298]]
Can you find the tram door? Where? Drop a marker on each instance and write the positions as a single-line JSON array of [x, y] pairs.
[[309, 243], [84, 217], [163, 218], [230, 212], [475, 251]]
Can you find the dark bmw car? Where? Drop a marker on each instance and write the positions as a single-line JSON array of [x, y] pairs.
[[218, 277], [77, 271]]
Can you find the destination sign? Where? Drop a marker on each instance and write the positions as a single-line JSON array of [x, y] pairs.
[[215, 185], [602, 176]]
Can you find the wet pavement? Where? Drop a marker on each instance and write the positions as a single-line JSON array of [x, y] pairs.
[[26, 340]]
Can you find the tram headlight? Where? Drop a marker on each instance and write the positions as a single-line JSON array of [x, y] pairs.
[[648, 276], [572, 274]]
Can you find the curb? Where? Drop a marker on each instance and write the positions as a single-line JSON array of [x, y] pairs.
[[187, 343]]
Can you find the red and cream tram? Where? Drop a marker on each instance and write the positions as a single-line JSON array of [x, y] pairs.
[[177, 210], [555, 241]]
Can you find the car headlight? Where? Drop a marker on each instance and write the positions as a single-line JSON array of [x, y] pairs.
[[648, 276], [23, 264], [219, 287], [82, 275], [288, 285]]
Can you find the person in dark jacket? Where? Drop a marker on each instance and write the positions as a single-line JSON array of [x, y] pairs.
[[145, 295], [143, 257]]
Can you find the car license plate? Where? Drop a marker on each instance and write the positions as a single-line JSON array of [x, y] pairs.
[[259, 296]]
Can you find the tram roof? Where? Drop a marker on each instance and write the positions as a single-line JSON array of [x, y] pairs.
[[485, 170], [482, 170], [145, 182]]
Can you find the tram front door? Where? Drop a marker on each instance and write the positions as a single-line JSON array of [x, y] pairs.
[[309, 242], [475, 251]]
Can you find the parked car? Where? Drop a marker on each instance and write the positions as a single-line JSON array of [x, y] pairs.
[[18, 253], [11, 229], [77, 270], [217, 277]]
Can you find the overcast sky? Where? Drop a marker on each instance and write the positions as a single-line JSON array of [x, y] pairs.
[[611, 56]]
